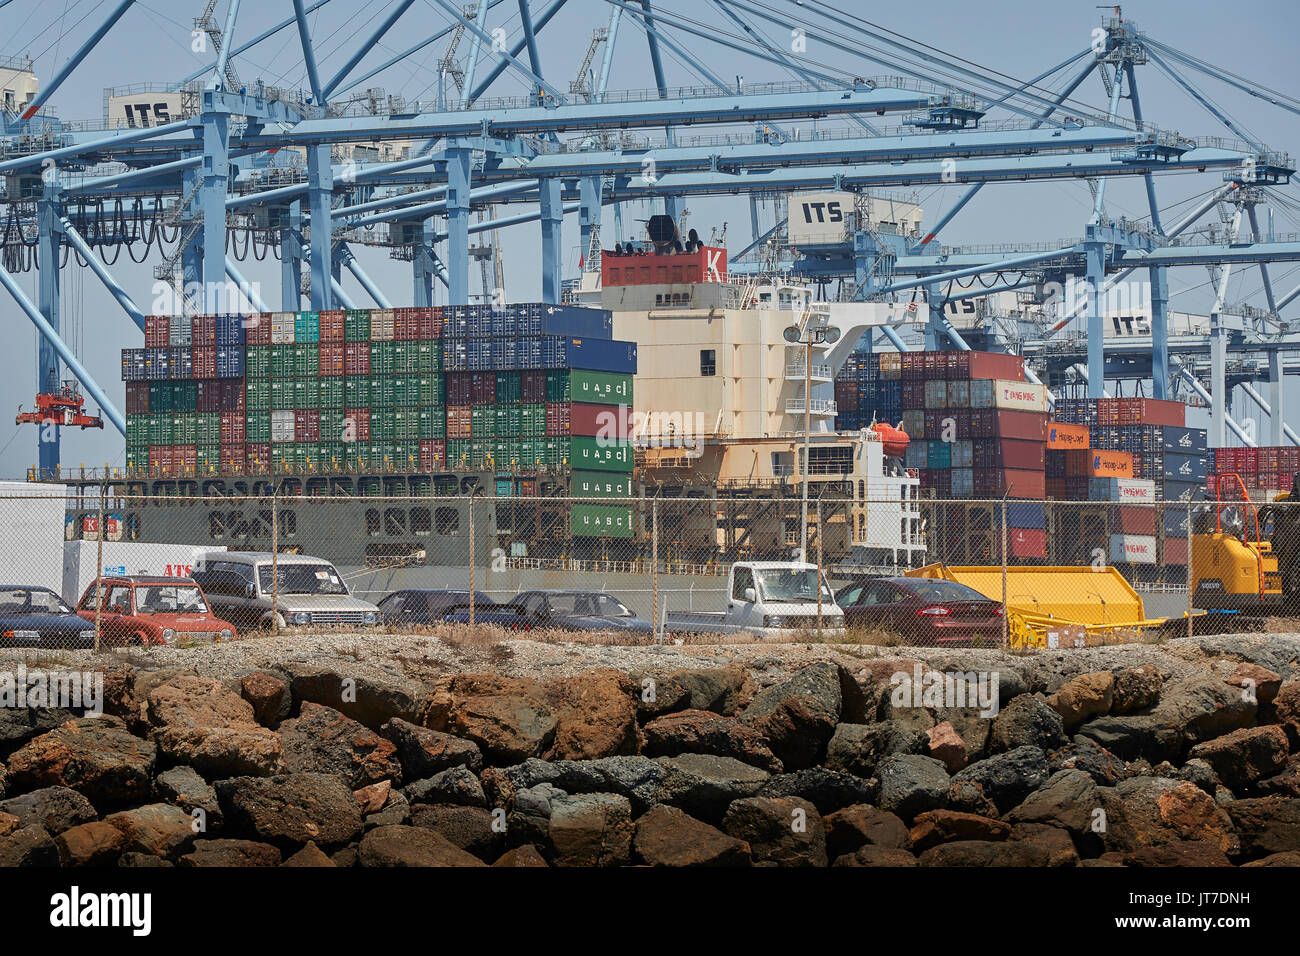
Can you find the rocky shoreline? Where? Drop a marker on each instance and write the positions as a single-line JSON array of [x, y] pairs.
[[1181, 754]]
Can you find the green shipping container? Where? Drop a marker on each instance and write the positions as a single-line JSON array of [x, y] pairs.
[[406, 358], [185, 396], [306, 360], [406, 391], [600, 388], [257, 394], [596, 484], [331, 391], [160, 396], [160, 429], [383, 424], [509, 388], [430, 390], [207, 428], [306, 393], [282, 394], [601, 521], [306, 327], [428, 356], [406, 455], [137, 430], [333, 455], [356, 392], [483, 421], [257, 361], [406, 425], [356, 325], [532, 420], [508, 420], [383, 358], [280, 360], [185, 429], [557, 385], [257, 427], [432, 422], [599, 454], [505, 452], [331, 425], [208, 459]]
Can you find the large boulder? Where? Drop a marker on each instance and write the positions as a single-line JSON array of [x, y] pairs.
[[411, 846], [1244, 757], [911, 784], [227, 853], [703, 731], [1069, 800], [1084, 697], [507, 717], [723, 690], [947, 826], [184, 788], [657, 696], [370, 699], [595, 714], [322, 740], [1006, 778], [54, 809], [704, 785], [827, 790], [584, 829], [98, 843], [786, 831], [269, 696], [946, 746], [1150, 811], [157, 829], [864, 825], [472, 829], [1090, 757], [982, 853], [96, 756], [799, 715], [1255, 681], [203, 723], [455, 785], [1131, 736], [1266, 825], [1136, 689], [424, 752], [667, 836], [858, 748], [1286, 709], [1028, 721], [640, 779], [290, 809], [27, 847]]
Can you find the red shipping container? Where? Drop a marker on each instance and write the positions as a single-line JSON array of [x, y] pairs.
[[1133, 520], [137, 398], [406, 325], [331, 361], [209, 396], [257, 328], [482, 388], [306, 425], [707, 265], [1175, 551], [430, 323], [557, 419], [1008, 453], [356, 358], [331, 326], [231, 457], [458, 388], [232, 428], [1028, 542], [459, 418], [533, 387], [356, 424], [433, 454], [203, 331], [600, 421], [938, 481], [232, 395], [205, 361], [1002, 423], [846, 396], [157, 331], [977, 365], [1013, 483]]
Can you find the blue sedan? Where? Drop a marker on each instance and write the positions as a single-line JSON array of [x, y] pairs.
[[37, 617]]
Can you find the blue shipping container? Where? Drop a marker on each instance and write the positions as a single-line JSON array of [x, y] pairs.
[[230, 329], [1190, 468], [1183, 490], [230, 361], [133, 365], [180, 362], [1185, 441], [1174, 522], [1026, 514], [157, 364]]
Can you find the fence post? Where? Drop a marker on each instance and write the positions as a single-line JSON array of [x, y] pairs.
[[1191, 576], [1006, 621], [472, 549], [99, 562], [819, 565], [654, 567], [275, 561]]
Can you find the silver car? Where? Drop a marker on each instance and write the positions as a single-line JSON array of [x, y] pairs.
[[240, 586]]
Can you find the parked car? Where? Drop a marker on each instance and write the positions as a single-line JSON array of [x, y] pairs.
[[310, 591], [579, 611], [426, 606], [511, 617], [925, 611], [769, 599], [144, 609], [37, 617]]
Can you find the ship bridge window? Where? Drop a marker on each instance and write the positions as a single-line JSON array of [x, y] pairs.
[[394, 522], [447, 521], [421, 523], [837, 460], [708, 362]]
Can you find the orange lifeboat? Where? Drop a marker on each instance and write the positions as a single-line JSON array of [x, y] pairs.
[[894, 440]]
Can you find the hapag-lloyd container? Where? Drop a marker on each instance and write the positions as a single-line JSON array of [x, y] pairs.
[[1125, 490], [1064, 436], [1095, 463], [1002, 394], [1133, 549]]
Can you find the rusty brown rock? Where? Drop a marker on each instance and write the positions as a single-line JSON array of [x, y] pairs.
[[96, 756], [666, 836], [947, 746], [703, 731], [595, 714], [507, 717], [947, 826]]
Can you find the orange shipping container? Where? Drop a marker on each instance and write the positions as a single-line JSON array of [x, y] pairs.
[[1095, 463], [1069, 437]]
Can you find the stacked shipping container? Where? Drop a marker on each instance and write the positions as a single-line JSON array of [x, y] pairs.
[[517, 389]]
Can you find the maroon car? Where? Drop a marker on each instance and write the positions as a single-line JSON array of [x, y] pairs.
[[924, 611]]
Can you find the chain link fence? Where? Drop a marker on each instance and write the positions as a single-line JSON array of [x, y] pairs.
[[108, 566]]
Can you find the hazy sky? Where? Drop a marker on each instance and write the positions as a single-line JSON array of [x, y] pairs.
[[152, 44]]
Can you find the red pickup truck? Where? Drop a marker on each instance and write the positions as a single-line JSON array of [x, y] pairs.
[[146, 609]]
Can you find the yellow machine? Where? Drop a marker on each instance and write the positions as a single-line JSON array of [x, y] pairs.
[[1234, 565], [1053, 599]]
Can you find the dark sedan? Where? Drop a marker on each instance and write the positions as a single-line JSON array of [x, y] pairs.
[[428, 606], [924, 611], [511, 617], [37, 617], [579, 611]]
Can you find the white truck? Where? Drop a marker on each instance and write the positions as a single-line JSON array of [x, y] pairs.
[[769, 599]]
